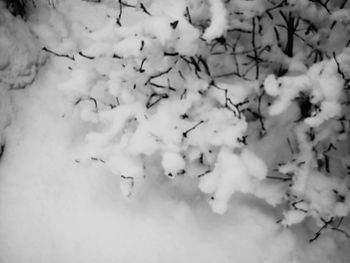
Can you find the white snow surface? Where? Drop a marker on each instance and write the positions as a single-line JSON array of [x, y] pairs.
[[54, 208], [19, 52], [218, 22]]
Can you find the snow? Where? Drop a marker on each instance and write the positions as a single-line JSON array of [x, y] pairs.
[[218, 22], [255, 165], [271, 85], [183, 37], [232, 173], [56, 210], [79, 184], [293, 217], [20, 54], [320, 81], [5, 109], [172, 163]]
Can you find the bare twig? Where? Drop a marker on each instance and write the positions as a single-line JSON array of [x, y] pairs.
[[57, 54]]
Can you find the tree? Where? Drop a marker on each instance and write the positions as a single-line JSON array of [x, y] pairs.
[[238, 96]]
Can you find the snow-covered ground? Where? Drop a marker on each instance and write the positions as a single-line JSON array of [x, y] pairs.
[[53, 208]]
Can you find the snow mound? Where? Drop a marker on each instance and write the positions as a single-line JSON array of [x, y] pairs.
[[20, 55]]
